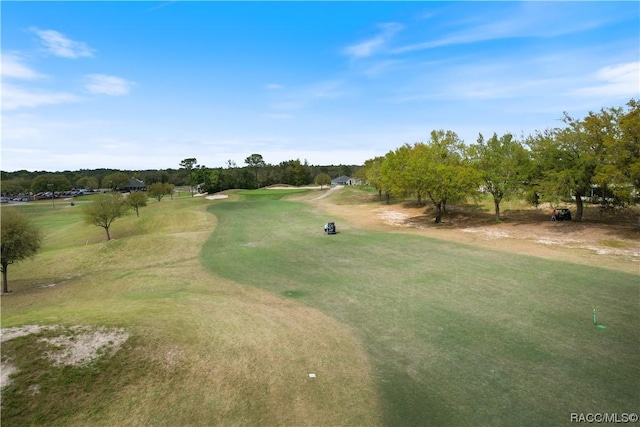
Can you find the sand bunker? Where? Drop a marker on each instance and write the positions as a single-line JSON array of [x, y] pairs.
[[216, 196]]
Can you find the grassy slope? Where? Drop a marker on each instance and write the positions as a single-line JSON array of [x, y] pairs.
[[457, 335], [203, 350]]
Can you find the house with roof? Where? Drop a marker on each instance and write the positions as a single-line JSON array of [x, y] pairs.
[[345, 180], [134, 184]]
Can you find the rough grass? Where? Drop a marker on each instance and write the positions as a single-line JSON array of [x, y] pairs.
[[203, 350], [457, 335]]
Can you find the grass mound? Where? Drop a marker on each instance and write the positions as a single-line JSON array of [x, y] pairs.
[[201, 349]]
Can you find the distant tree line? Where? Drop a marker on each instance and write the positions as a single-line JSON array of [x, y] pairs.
[[255, 173], [596, 158]]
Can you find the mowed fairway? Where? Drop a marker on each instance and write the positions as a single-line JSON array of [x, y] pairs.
[[456, 335], [202, 350]]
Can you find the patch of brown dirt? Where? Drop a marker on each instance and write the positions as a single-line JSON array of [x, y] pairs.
[[76, 345], [608, 241]]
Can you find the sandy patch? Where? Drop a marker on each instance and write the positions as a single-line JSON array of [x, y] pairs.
[[85, 344], [216, 196], [76, 345], [7, 334]]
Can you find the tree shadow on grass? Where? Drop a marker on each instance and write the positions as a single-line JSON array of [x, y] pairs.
[[622, 224]]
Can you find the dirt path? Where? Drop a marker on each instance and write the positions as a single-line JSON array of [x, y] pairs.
[[328, 192]]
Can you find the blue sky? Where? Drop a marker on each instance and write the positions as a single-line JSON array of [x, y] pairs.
[[143, 85]]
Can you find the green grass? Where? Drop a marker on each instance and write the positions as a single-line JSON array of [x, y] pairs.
[[457, 335], [230, 304], [203, 350]]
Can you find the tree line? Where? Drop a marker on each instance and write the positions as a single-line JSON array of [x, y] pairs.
[[594, 158], [255, 173]]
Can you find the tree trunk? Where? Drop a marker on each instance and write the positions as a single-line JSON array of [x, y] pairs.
[[496, 203], [579, 206], [438, 212], [107, 230], [5, 287], [380, 195], [387, 198]]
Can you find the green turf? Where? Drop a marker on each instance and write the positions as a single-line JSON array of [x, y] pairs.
[[202, 351], [457, 335]]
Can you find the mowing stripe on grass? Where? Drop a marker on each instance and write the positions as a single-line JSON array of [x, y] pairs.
[[458, 335]]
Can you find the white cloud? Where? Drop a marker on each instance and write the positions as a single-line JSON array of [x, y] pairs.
[[273, 86], [374, 44], [615, 80], [107, 85], [13, 67], [59, 45], [15, 97]]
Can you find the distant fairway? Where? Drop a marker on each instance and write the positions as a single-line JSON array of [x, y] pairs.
[[456, 335]]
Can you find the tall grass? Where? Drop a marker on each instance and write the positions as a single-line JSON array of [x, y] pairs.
[[457, 335]]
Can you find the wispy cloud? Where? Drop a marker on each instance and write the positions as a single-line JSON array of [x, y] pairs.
[[273, 86], [615, 80], [13, 67], [59, 45], [107, 85], [375, 44], [16, 97], [528, 19], [301, 98], [163, 4]]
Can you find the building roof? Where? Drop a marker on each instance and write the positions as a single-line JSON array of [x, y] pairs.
[[340, 179], [135, 183]]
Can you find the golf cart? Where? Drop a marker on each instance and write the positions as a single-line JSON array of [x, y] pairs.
[[563, 215], [330, 228]]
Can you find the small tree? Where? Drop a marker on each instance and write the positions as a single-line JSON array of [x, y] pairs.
[[188, 165], [169, 189], [115, 180], [105, 209], [159, 190], [255, 162], [322, 179], [20, 240], [137, 200]]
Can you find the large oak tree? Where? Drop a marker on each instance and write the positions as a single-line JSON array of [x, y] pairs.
[[439, 170], [503, 166], [20, 240]]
